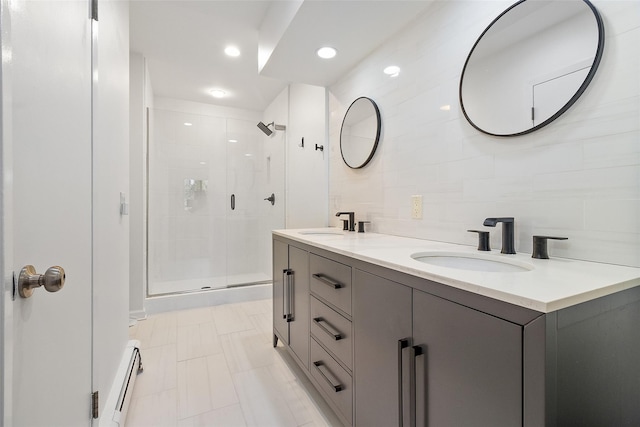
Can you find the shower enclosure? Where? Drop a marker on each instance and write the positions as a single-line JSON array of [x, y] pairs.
[[209, 226]]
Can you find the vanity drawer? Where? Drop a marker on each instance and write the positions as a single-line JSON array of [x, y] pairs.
[[333, 331], [333, 380], [331, 280]]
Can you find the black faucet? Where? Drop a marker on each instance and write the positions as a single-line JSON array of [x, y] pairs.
[[508, 246], [352, 219]]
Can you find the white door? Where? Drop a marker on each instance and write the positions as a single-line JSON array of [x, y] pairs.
[[49, 216]]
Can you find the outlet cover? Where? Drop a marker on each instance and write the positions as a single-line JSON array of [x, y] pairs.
[[416, 207]]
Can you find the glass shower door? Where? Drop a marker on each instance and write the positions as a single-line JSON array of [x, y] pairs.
[[208, 225], [245, 177]]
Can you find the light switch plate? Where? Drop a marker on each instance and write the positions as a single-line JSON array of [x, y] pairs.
[[416, 207]]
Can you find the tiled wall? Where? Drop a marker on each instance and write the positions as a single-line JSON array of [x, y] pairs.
[[579, 177]]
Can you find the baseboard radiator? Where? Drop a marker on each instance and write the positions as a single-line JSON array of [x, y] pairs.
[[117, 405]]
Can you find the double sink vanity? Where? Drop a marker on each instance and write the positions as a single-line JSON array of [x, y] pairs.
[[396, 331]]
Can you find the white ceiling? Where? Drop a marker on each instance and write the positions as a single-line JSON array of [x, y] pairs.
[[184, 40]]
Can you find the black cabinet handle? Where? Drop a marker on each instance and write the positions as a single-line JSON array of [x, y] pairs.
[[402, 344], [321, 369], [414, 351], [329, 330], [327, 281], [290, 296], [286, 294]]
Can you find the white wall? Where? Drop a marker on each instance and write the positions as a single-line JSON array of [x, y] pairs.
[[307, 168], [579, 177]]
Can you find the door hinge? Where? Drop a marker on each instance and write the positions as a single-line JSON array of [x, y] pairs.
[[94, 10], [94, 405]]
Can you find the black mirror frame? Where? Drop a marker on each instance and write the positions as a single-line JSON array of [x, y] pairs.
[[377, 139], [574, 98]]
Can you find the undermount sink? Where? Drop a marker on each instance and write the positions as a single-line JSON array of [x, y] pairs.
[[473, 262], [321, 232]]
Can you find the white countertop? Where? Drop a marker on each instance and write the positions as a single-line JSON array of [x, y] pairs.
[[549, 285]]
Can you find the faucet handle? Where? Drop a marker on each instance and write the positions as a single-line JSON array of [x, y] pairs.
[[361, 225], [483, 239], [345, 224], [540, 246]]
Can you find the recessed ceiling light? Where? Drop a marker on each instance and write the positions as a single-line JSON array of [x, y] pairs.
[[217, 93], [326, 52], [232, 51], [233, 140], [445, 107], [248, 155], [392, 70], [203, 163], [188, 124]]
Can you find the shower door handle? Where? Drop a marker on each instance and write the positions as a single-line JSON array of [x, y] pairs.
[[233, 202]]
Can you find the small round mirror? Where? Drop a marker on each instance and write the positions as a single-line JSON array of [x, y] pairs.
[[360, 132], [530, 65]]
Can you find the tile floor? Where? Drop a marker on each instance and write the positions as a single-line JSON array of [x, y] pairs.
[[216, 366]]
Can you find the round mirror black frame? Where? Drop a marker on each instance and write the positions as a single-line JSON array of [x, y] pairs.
[[574, 98], [377, 138]]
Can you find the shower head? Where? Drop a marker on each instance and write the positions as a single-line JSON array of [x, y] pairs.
[[265, 128]]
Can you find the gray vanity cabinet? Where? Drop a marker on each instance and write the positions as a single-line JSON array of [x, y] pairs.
[[387, 348], [465, 366], [468, 366], [382, 319], [291, 299]]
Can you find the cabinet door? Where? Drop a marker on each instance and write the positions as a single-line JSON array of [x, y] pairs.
[[470, 372], [299, 325], [280, 264], [381, 317]]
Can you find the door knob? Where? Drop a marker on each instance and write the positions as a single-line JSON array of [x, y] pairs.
[[52, 280]]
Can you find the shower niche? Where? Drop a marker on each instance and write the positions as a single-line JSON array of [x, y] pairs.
[[208, 226]]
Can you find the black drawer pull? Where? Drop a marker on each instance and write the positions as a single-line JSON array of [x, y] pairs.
[[328, 329], [326, 376], [327, 281]]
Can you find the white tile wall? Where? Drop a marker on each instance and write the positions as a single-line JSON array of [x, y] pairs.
[[579, 177]]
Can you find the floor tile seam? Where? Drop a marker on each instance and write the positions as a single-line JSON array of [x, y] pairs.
[[230, 404], [144, 347], [153, 393], [178, 418], [200, 356], [280, 398], [196, 326], [228, 371], [235, 332], [156, 392], [178, 400]]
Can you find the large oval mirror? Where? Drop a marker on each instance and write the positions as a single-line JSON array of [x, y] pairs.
[[360, 132], [530, 65]]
